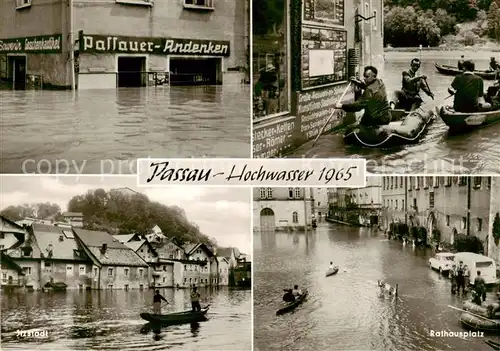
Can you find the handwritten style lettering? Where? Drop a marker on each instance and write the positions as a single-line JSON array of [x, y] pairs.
[[181, 174], [263, 175]]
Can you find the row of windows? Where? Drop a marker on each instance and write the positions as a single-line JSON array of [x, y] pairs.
[[293, 193], [431, 181], [201, 281], [192, 4], [195, 268]]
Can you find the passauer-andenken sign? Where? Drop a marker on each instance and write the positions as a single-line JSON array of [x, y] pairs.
[[49, 44], [161, 46]]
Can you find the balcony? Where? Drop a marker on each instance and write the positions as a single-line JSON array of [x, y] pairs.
[[136, 2]]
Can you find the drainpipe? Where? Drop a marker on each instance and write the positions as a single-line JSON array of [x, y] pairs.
[[305, 210], [406, 201], [468, 204], [71, 46]]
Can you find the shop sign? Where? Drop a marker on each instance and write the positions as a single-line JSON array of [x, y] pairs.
[[160, 46], [47, 44], [273, 139]]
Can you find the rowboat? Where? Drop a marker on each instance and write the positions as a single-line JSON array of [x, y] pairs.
[[460, 121], [177, 318], [494, 344], [332, 271], [474, 322], [454, 71], [408, 130], [290, 306]]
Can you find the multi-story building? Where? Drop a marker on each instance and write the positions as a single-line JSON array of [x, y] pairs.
[[303, 55], [74, 219], [11, 233], [115, 43], [282, 208], [494, 222], [12, 273], [320, 196], [451, 205]]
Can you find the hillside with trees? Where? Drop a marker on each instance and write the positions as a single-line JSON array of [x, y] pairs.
[[452, 23], [118, 213]]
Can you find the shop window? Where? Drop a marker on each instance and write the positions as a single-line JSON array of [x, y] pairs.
[[270, 58]]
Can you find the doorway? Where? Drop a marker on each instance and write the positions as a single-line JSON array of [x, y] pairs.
[[267, 222], [17, 72], [132, 71], [195, 71]]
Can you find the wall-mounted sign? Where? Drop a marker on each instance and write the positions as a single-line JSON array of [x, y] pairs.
[[160, 46], [273, 139], [330, 12], [48, 44]]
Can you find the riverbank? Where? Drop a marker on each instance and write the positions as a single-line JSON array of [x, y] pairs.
[[438, 54]]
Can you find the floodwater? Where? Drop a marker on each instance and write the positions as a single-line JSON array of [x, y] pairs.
[[109, 320], [105, 131], [347, 311], [438, 152]]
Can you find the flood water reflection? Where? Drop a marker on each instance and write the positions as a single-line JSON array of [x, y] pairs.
[[109, 320], [59, 132], [347, 311]]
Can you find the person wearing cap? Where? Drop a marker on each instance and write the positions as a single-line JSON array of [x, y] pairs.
[[408, 97], [468, 91]]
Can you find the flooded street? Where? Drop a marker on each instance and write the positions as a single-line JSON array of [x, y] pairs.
[[347, 311], [109, 320], [105, 131], [437, 152]]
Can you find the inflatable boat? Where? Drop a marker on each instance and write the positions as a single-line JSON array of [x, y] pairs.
[[474, 322]]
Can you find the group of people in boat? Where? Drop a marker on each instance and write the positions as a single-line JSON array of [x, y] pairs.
[[292, 294], [195, 301], [371, 95], [460, 280]]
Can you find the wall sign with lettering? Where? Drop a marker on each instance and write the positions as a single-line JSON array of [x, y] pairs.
[[47, 44], [329, 12], [273, 139], [160, 46], [324, 56]]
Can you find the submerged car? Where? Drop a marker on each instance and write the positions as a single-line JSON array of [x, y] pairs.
[[442, 262]]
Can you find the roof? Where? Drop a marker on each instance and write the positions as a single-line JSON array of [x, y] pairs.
[[445, 254], [135, 245], [125, 238], [116, 254], [220, 259], [72, 214], [48, 239], [190, 248], [474, 256], [225, 251], [8, 226], [10, 263]]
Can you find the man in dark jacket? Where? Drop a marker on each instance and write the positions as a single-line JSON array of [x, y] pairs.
[[373, 100], [468, 91]]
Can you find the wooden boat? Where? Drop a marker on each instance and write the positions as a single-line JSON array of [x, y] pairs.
[[332, 271], [458, 121], [473, 322], [385, 287], [454, 71], [481, 310], [290, 306], [408, 130], [177, 318], [494, 344]]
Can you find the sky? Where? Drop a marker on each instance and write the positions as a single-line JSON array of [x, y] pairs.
[[222, 213]]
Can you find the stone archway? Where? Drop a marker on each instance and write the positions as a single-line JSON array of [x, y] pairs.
[[454, 233], [267, 220]]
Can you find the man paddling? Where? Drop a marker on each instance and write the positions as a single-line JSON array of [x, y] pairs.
[[408, 97], [195, 300], [296, 292], [373, 100], [494, 65], [288, 296], [157, 299], [480, 286], [468, 91], [332, 266]]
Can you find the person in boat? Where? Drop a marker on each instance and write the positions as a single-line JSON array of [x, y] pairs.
[[480, 286], [460, 277], [296, 292], [453, 279], [331, 266], [494, 65], [468, 91], [408, 98], [157, 299], [466, 276], [373, 100], [460, 64], [288, 297], [195, 300]]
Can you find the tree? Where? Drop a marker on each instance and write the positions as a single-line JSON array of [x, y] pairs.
[[39, 210], [494, 20]]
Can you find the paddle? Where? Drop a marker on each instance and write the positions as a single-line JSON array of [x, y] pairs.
[[475, 315], [331, 115], [428, 88]]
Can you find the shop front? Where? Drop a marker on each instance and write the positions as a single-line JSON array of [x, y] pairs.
[[304, 52], [29, 62], [110, 61]]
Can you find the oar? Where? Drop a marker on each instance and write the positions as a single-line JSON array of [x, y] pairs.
[[428, 88], [331, 115], [462, 310]]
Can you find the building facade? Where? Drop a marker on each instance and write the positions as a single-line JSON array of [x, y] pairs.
[[75, 219], [450, 205], [494, 223], [320, 196], [304, 52], [282, 208], [117, 43]]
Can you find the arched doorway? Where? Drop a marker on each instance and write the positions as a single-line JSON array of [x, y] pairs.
[[431, 225], [267, 221], [454, 233]]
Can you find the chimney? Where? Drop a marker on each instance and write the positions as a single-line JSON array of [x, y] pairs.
[[104, 248]]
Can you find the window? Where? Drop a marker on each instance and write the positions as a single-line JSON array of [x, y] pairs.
[[396, 204], [269, 193], [126, 286], [4, 277], [200, 4], [401, 182], [81, 269], [479, 224], [417, 186], [69, 269], [110, 286], [448, 181], [270, 56], [110, 272], [392, 182], [375, 20], [448, 219], [2, 235], [2, 247], [395, 182], [297, 193], [95, 272], [412, 181], [462, 181], [27, 270], [290, 193], [489, 182], [415, 204], [477, 182], [125, 271], [185, 267], [383, 183], [295, 217], [263, 193], [21, 4], [431, 200], [464, 222], [403, 204], [435, 182]]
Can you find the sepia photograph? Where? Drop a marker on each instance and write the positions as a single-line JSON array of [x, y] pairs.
[[407, 85], [94, 263], [404, 263], [88, 88]]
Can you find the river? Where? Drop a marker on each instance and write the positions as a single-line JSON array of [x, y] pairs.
[[347, 311], [105, 131], [438, 152], [109, 320]]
